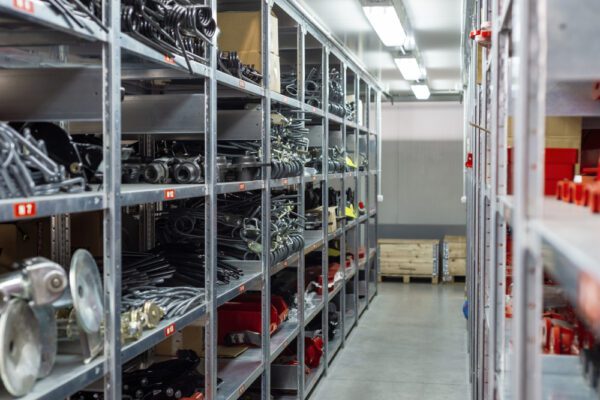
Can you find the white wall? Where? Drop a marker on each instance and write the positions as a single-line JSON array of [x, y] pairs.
[[422, 159]]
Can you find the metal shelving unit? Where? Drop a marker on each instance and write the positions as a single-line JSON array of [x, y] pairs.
[[116, 58], [526, 69]]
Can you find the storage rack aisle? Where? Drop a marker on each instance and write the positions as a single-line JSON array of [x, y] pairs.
[[532, 264], [145, 107]]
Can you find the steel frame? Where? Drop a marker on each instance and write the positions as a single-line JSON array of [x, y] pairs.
[[112, 196], [505, 354]]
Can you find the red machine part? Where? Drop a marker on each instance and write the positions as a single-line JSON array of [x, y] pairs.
[[333, 269], [313, 350], [469, 162], [244, 314], [561, 337]]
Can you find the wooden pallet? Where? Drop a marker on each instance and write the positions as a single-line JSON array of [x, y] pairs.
[[454, 278], [408, 278]]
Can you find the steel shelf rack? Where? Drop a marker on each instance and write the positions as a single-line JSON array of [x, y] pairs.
[[120, 58], [527, 67]]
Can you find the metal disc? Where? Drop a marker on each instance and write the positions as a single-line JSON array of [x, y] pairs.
[[47, 319], [86, 291], [20, 348]]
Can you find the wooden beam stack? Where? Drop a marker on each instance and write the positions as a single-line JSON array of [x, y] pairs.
[[409, 258]]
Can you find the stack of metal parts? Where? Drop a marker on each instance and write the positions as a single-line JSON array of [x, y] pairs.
[[238, 161], [337, 160], [286, 227], [313, 89], [172, 166], [228, 61], [172, 27], [336, 94], [350, 111], [39, 319], [74, 10], [26, 168], [289, 146]]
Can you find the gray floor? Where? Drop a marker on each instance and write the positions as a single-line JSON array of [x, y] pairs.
[[411, 344]]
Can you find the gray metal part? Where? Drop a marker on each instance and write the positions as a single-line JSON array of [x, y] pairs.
[[20, 348], [49, 345], [239, 124]]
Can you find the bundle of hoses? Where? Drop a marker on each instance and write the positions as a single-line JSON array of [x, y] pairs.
[[289, 146], [172, 27]]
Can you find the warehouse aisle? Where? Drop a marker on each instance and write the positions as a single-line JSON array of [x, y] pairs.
[[410, 345]]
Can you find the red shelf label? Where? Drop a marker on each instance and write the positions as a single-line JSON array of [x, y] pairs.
[[24, 210], [24, 5], [169, 194], [169, 60], [314, 109], [169, 330], [242, 186], [285, 181], [242, 288], [285, 100], [242, 84]]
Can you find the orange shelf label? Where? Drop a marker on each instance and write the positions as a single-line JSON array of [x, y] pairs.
[[169, 194], [24, 210], [169, 330], [24, 5]]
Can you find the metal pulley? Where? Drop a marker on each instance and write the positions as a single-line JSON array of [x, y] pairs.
[[25, 312], [81, 309], [20, 347]]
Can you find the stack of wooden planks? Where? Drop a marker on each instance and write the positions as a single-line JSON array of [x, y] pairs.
[[454, 257], [409, 258]]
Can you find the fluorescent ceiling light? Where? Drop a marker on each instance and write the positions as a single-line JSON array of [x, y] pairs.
[[421, 91], [386, 24], [409, 67]]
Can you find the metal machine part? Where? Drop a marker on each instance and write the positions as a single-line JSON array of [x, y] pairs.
[[38, 281], [49, 346], [20, 348], [80, 311]]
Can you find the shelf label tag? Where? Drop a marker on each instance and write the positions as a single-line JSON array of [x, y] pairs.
[[242, 84], [169, 330], [314, 109], [24, 210], [314, 178], [169, 60], [285, 99], [242, 288], [24, 5], [285, 181], [242, 186], [285, 263], [169, 194], [242, 390]]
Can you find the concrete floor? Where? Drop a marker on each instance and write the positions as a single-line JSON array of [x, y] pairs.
[[410, 344]]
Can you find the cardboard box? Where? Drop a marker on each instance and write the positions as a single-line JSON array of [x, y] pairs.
[[241, 31], [561, 132], [190, 338], [254, 58]]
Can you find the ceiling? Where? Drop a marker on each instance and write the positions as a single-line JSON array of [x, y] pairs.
[[434, 24]]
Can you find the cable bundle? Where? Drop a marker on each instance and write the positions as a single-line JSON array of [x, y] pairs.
[[289, 146], [172, 27], [228, 61]]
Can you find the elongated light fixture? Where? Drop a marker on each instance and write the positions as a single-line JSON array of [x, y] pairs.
[[386, 24], [421, 91], [409, 68]]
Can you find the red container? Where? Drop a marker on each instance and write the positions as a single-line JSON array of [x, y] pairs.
[[557, 172], [241, 317]]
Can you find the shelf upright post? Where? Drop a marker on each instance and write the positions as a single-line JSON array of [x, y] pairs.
[[355, 236], [377, 185], [210, 227], [530, 45], [492, 265], [111, 132], [266, 6], [325, 197], [342, 237], [501, 120], [301, 73]]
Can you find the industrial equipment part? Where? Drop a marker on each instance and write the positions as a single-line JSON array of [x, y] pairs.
[[20, 347], [38, 281], [80, 311], [26, 168]]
